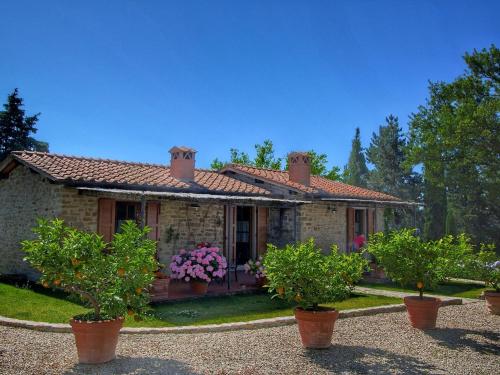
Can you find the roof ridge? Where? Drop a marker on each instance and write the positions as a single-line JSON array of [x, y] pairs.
[[260, 168], [53, 154]]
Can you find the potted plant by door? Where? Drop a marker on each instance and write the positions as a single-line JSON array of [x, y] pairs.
[[256, 268], [486, 267], [422, 265], [112, 279], [199, 267], [302, 274]]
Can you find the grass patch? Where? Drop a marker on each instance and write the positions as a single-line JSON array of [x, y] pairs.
[[458, 289], [44, 305]]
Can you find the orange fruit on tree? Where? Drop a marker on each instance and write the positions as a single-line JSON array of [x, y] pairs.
[[57, 282], [45, 284], [298, 298], [280, 290], [121, 272], [78, 275], [420, 285], [138, 291], [75, 262]]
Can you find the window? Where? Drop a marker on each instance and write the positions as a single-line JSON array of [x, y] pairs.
[[127, 211]]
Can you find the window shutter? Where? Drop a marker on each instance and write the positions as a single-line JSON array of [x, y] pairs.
[[350, 227], [370, 221], [106, 219], [262, 214], [153, 220]]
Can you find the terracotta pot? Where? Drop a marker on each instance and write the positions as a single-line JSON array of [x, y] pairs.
[[96, 341], [161, 285], [261, 282], [316, 327], [492, 302], [422, 312], [199, 287]]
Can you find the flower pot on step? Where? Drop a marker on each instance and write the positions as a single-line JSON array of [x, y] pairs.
[[96, 341], [198, 287], [260, 282], [422, 312], [159, 289], [492, 302], [316, 327]]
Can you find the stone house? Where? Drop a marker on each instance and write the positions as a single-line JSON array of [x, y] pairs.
[[238, 208]]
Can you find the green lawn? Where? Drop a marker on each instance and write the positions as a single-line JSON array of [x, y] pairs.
[[44, 305], [451, 288]]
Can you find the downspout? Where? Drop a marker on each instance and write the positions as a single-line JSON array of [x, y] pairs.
[[295, 223]]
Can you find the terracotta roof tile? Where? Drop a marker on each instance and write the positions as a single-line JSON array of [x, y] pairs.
[[319, 185], [82, 170]]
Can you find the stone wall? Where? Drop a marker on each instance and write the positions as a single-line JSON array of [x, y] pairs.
[[24, 197], [281, 226], [79, 211], [326, 226], [182, 226]]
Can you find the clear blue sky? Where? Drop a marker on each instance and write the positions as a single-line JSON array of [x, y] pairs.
[[129, 79]]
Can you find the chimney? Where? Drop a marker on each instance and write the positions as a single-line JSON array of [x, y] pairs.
[[299, 168], [182, 163]]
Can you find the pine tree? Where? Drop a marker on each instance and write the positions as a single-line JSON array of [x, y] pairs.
[[356, 171], [16, 128]]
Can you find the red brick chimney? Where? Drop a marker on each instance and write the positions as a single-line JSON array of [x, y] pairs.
[[182, 163], [299, 168]]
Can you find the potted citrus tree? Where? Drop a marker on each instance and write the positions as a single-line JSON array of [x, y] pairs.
[[112, 279], [199, 267], [302, 274], [485, 266], [422, 265]]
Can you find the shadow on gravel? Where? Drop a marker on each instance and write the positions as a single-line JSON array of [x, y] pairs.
[[485, 342], [363, 360], [136, 365]]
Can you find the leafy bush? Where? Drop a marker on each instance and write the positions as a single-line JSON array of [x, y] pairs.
[[485, 266], [302, 273], [111, 278], [412, 262]]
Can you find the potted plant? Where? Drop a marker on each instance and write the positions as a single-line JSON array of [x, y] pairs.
[[256, 268], [160, 286], [486, 266], [112, 279], [302, 274], [412, 262], [199, 267]]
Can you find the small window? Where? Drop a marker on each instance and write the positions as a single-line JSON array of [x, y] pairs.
[[127, 211]]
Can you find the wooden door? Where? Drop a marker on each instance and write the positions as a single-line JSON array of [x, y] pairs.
[[152, 220], [262, 219], [106, 218]]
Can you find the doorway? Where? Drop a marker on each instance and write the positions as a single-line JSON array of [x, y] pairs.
[[244, 230]]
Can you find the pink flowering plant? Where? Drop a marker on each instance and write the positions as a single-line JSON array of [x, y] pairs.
[[202, 264], [255, 267]]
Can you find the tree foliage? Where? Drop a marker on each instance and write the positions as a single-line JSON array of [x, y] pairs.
[[356, 172], [409, 260], [16, 128], [301, 273], [456, 137], [111, 278], [264, 157]]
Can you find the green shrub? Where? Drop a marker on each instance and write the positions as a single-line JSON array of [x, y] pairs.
[[111, 278], [302, 273], [485, 266], [412, 262]]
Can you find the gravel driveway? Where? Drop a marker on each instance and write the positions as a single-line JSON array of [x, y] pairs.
[[466, 342]]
